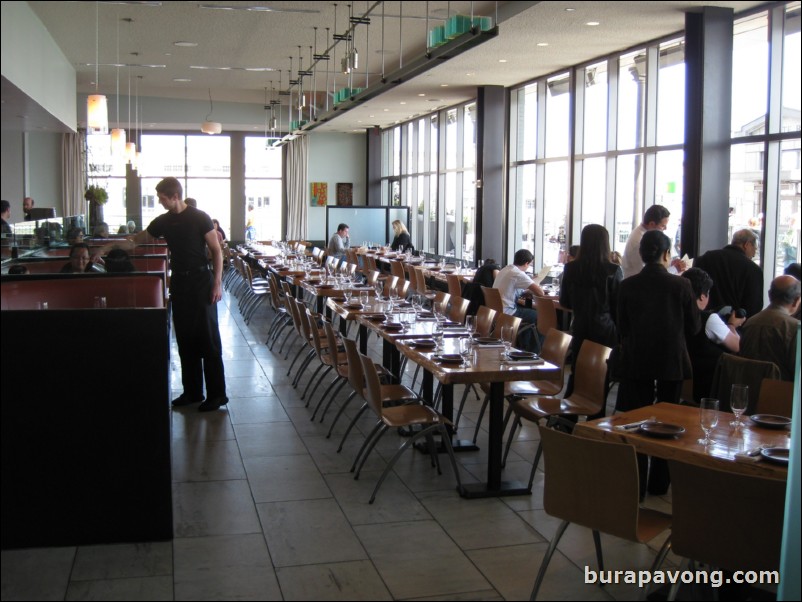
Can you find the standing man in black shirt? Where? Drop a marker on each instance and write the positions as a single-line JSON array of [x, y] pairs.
[[194, 293]]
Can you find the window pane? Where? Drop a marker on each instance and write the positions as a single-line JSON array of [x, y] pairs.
[[594, 177], [396, 163], [450, 208], [451, 139], [595, 118], [214, 197], [421, 164], [165, 157], [791, 70], [631, 99], [627, 197], [150, 202], [468, 214], [525, 195], [746, 187], [750, 60], [261, 161], [469, 137], [788, 220], [208, 156], [433, 158], [668, 192], [527, 123], [431, 247], [555, 207], [420, 224], [671, 94], [265, 197], [557, 104], [409, 132]]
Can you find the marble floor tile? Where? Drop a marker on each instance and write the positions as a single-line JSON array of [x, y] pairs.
[[135, 588], [224, 567], [282, 478], [308, 532], [256, 386], [36, 573], [213, 508], [243, 368], [190, 425], [417, 559], [207, 461], [357, 580], [394, 502], [116, 561], [268, 439], [245, 410]]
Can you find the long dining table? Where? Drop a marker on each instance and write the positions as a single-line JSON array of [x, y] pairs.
[[486, 365], [729, 451]]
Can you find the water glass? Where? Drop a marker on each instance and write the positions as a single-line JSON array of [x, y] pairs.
[[470, 324], [739, 400], [437, 335], [708, 418], [465, 349], [364, 297], [506, 338]]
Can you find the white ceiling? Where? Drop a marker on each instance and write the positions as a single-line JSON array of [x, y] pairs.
[[265, 40]]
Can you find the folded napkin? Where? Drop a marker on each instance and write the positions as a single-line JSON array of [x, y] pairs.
[[532, 362]]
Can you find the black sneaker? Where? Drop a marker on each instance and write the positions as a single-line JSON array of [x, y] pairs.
[[185, 400], [212, 404]]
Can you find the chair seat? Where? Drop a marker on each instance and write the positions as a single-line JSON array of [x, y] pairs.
[[410, 414], [535, 408], [651, 523], [396, 392], [533, 387]]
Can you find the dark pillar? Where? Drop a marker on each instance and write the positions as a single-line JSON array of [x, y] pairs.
[[708, 68], [373, 167], [491, 135], [237, 205]]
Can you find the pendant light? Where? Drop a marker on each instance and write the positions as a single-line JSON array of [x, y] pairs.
[[97, 112], [211, 127], [130, 147]]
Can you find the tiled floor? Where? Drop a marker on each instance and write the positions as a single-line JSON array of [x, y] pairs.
[[264, 508]]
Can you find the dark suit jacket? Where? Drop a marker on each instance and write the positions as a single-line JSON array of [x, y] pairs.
[[737, 280], [655, 312], [593, 304]]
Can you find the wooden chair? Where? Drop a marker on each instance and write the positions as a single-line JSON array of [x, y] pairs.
[[776, 397], [709, 505], [588, 397], [339, 365], [493, 299], [594, 484], [397, 269], [440, 302], [396, 417], [546, 315], [457, 309], [454, 285], [731, 370], [390, 283], [485, 318], [403, 288]]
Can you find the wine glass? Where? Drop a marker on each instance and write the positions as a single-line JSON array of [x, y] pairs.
[[364, 297], [437, 335], [470, 325], [506, 338], [465, 349], [379, 286], [708, 418], [739, 399]]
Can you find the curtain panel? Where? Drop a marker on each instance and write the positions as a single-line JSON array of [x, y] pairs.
[[297, 210]]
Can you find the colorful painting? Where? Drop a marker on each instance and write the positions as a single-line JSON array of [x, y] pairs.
[[345, 194], [318, 194]]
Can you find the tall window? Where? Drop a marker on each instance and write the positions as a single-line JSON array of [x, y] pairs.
[[107, 171], [263, 187]]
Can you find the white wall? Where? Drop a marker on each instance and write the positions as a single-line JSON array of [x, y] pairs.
[[44, 171], [335, 158], [12, 177]]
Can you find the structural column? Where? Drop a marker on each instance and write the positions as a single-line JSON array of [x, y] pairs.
[[491, 134], [708, 83]]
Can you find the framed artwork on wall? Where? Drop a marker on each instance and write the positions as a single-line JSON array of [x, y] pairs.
[[345, 194], [318, 194]]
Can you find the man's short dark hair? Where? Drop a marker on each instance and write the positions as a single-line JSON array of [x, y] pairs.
[[79, 245], [522, 257], [170, 187], [784, 295], [655, 214], [701, 282], [191, 202], [4, 206], [342, 227]]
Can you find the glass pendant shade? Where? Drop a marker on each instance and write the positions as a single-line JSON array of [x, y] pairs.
[[211, 127], [97, 114], [118, 145]]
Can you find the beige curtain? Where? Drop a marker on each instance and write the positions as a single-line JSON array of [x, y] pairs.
[[73, 173], [297, 188]]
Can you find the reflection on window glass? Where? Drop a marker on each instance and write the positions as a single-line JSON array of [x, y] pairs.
[[595, 118], [788, 219], [627, 198], [750, 67], [631, 99], [555, 207], [671, 94], [594, 178], [557, 106], [668, 192]]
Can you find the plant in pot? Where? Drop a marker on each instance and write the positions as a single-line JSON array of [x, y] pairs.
[[97, 197]]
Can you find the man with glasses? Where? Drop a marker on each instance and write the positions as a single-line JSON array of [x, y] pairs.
[[739, 280], [655, 218]]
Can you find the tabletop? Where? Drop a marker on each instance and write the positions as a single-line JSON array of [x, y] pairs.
[[721, 455]]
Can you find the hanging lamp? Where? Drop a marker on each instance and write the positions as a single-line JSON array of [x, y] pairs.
[[118, 146], [211, 127], [97, 112]]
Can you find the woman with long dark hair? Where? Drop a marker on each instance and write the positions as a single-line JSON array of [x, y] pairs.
[[590, 289]]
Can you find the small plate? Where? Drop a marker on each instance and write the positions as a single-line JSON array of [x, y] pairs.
[[449, 358], [433, 269], [338, 299], [392, 326], [778, 455], [770, 421], [325, 286], [355, 306], [488, 341], [424, 343], [376, 317], [426, 314], [313, 282], [661, 430], [523, 355]]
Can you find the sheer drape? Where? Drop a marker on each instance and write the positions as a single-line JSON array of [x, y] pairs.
[[73, 176], [297, 188]]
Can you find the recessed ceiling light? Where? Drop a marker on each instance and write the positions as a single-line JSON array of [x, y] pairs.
[[181, 79], [402, 102], [421, 94], [370, 116], [470, 74], [502, 60], [432, 100], [541, 44], [385, 110], [570, 10], [444, 85], [592, 23], [185, 44]]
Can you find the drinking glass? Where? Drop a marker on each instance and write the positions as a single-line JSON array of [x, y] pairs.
[[437, 335], [416, 303], [364, 296], [739, 399], [470, 324], [379, 286], [506, 338], [347, 295], [708, 418], [465, 349]]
